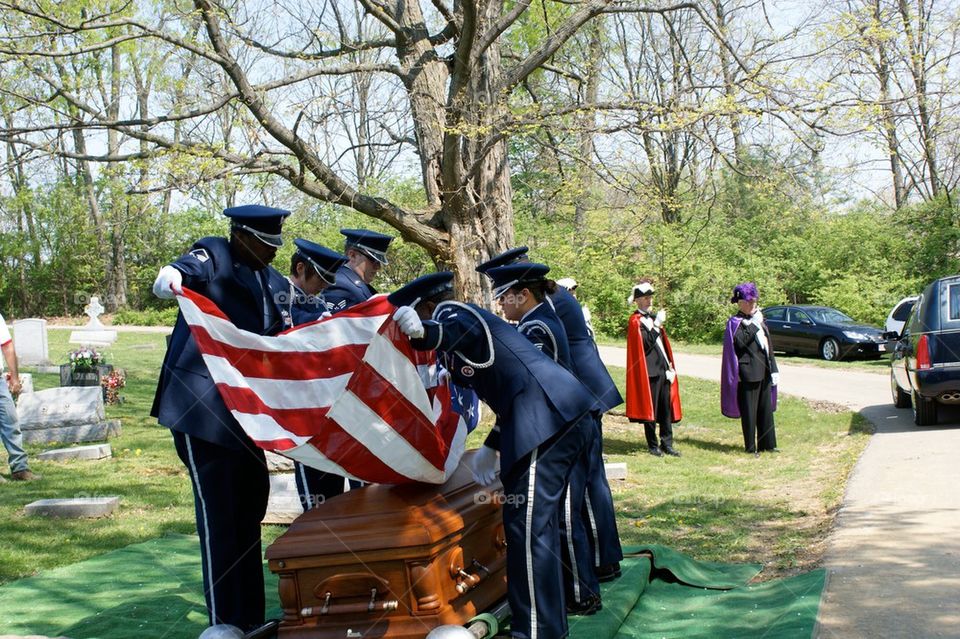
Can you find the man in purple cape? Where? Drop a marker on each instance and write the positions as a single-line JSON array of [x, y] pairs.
[[749, 374]]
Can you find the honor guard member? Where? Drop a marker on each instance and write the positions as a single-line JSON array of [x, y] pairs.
[[313, 268], [521, 291], [227, 470], [366, 252], [544, 421], [653, 393], [600, 516], [749, 375]]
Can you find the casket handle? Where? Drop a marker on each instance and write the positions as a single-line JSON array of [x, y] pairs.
[[468, 581]]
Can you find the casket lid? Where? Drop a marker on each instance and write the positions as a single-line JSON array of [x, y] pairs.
[[387, 516]]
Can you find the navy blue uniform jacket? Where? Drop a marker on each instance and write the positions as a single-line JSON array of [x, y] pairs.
[[187, 399], [587, 365], [533, 397], [302, 307], [545, 331], [348, 290]]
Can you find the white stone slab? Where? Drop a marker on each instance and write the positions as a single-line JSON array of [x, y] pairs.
[[63, 406], [284, 505], [93, 451], [278, 463], [616, 471], [97, 432], [30, 340], [93, 338], [26, 386], [74, 508]]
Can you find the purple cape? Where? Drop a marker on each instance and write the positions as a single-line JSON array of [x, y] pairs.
[[730, 373]]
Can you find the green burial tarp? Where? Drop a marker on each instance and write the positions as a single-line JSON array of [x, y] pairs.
[[153, 590]]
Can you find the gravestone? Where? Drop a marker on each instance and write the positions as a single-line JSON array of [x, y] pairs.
[[284, 504], [94, 333], [73, 508], [93, 451], [30, 340], [616, 471], [26, 384], [68, 414], [278, 463]]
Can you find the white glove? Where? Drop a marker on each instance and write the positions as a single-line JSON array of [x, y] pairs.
[[324, 315], [169, 282], [443, 376], [660, 318], [671, 375], [485, 464], [775, 379], [758, 317], [409, 322]]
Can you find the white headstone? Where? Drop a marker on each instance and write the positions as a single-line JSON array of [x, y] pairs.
[[93, 311], [26, 386], [30, 340], [62, 406], [93, 333]]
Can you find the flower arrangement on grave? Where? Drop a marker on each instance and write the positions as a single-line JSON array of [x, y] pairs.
[[112, 383], [84, 359]]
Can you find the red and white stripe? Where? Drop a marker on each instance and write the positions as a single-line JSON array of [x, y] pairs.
[[346, 394]]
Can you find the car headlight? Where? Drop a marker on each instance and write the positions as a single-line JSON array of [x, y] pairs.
[[854, 335]]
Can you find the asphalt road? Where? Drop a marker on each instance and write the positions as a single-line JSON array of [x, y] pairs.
[[893, 557]]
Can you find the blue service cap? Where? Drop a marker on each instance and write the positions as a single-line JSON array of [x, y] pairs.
[[323, 260], [507, 257], [519, 275], [372, 244], [424, 287], [263, 222]]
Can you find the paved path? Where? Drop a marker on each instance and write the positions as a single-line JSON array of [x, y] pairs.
[[893, 558]]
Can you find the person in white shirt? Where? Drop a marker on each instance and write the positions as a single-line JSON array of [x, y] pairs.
[[9, 424]]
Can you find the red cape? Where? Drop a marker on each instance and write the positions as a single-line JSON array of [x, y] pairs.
[[639, 401]]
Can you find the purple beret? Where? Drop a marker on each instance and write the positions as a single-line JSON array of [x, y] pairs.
[[745, 291]]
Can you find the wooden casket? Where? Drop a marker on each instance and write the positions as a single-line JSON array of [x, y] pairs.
[[392, 561]]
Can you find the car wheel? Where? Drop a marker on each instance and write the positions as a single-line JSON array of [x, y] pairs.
[[924, 411], [900, 399], [830, 349]]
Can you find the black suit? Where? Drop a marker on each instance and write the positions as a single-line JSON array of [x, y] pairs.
[[756, 365]]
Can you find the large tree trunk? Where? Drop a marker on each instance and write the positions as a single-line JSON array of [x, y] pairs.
[[478, 204], [465, 169]]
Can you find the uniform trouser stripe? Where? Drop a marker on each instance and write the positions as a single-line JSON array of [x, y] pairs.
[[568, 525], [593, 530], [531, 490], [202, 506], [307, 489]]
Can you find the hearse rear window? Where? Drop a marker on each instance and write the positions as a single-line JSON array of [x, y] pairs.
[[954, 301]]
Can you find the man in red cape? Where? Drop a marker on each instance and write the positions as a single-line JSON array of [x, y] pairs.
[[653, 393]]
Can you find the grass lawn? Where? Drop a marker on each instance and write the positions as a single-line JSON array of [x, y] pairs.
[[715, 502]]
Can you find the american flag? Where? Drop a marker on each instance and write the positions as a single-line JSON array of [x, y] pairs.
[[346, 394]]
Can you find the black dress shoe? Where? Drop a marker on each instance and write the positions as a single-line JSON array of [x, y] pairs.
[[588, 606], [608, 572], [655, 451], [669, 450]]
